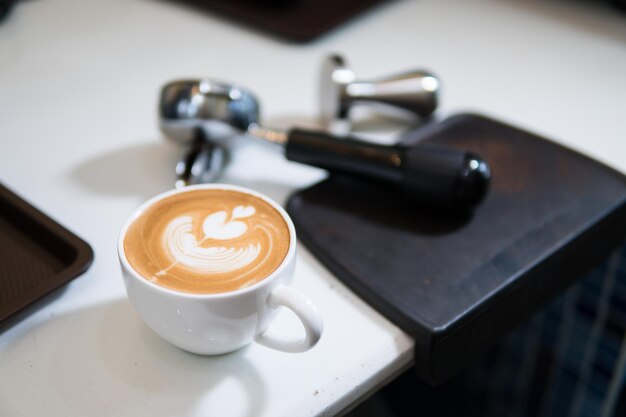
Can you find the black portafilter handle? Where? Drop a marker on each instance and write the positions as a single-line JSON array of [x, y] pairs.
[[434, 175]]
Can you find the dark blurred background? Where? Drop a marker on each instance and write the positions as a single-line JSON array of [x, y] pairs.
[[568, 361]]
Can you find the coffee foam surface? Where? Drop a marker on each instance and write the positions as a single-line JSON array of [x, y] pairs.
[[207, 241]]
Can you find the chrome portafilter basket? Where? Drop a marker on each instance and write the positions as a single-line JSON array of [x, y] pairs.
[[217, 109], [207, 117]]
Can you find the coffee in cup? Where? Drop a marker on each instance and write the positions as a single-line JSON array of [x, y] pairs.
[[208, 266], [207, 241]]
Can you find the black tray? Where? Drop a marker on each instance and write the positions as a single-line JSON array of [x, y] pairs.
[[296, 20], [458, 284], [37, 255]]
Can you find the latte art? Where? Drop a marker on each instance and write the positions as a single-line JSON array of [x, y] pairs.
[[207, 241], [184, 248]]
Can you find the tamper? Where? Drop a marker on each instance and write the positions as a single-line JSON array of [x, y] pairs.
[[413, 92]]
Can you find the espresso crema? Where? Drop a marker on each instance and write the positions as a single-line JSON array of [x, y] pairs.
[[207, 241]]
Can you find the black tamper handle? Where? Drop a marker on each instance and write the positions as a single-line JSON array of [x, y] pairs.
[[432, 174]]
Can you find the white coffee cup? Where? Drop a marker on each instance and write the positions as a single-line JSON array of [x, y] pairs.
[[212, 324]]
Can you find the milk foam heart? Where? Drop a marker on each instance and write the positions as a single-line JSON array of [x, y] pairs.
[[184, 247], [216, 226], [207, 241], [241, 212]]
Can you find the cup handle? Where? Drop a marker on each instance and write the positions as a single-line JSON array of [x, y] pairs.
[[306, 312]]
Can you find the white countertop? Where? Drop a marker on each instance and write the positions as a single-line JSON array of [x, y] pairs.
[[79, 82]]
